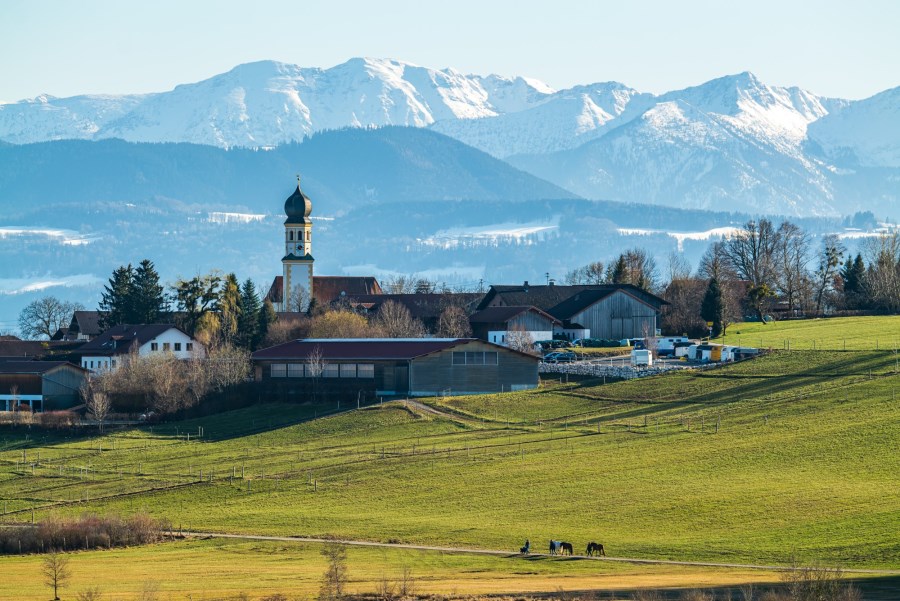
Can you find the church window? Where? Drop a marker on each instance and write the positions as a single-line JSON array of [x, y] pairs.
[[291, 234]]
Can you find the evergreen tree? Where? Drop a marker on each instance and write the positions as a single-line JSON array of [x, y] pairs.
[[117, 301], [248, 321], [267, 317], [713, 307], [853, 276], [617, 273], [229, 308], [148, 300]]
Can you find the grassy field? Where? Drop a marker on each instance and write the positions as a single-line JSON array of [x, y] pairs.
[[225, 568], [790, 454], [843, 333]]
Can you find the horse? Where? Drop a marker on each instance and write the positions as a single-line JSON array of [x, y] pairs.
[[595, 548], [555, 546], [566, 548]]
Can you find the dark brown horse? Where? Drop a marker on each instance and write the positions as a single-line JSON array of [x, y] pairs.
[[593, 548], [566, 548]]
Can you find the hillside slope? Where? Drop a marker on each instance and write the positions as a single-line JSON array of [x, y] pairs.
[[788, 455]]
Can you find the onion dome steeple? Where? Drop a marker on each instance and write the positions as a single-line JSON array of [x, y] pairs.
[[297, 207]]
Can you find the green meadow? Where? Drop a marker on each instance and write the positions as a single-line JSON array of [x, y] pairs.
[[845, 333], [791, 454]]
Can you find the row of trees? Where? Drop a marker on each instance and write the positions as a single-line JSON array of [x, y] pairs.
[[164, 384], [760, 269]]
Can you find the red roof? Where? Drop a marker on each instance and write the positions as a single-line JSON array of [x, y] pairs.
[[365, 349], [329, 288]]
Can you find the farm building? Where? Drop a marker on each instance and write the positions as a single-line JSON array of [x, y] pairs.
[[39, 385], [611, 311], [495, 324], [106, 351], [395, 367]]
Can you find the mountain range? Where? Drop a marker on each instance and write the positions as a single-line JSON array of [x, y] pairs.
[[733, 141]]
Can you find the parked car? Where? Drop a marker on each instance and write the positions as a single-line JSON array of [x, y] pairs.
[[560, 357]]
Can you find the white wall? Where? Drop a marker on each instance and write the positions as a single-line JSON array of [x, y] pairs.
[[172, 340], [502, 336]]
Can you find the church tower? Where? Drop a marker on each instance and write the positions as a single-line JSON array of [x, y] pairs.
[[297, 278]]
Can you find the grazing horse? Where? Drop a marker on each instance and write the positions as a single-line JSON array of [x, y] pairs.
[[566, 548], [595, 548], [554, 547]]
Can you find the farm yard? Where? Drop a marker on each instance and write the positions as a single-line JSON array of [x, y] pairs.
[[789, 455]]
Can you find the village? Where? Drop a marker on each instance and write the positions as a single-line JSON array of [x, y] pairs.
[[313, 336]]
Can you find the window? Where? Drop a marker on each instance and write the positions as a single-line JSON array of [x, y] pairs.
[[365, 370], [332, 370], [177, 346], [189, 346], [92, 365], [295, 370], [475, 358], [113, 362], [348, 370], [154, 346], [167, 346], [291, 235], [278, 370]]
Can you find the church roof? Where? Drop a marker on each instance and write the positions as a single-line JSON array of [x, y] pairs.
[[327, 289], [297, 207]]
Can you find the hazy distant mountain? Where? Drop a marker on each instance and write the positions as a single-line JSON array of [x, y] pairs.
[[341, 170], [732, 140]]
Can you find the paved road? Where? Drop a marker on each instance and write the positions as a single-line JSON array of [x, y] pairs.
[[363, 543]]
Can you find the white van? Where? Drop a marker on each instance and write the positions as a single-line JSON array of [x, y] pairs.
[[641, 357], [666, 346]]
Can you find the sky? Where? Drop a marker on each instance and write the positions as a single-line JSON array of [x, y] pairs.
[[833, 48]]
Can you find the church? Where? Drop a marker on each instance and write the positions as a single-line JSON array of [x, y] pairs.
[[298, 286]]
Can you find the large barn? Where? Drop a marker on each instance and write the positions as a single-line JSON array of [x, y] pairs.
[[396, 367], [612, 311]]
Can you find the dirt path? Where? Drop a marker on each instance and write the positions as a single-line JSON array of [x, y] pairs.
[[362, 543]]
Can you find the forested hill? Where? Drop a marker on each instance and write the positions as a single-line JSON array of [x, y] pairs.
[[340, 169]]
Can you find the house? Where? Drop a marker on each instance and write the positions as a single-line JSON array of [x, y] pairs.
[[14, 349], [607, 311], [494, 324], [106, 351], [395, 366], [426, 307], [85, 325], [39, 385]]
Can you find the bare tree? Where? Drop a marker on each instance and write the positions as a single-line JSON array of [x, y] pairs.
[[882, 255], [400, 284], [315, 367], [520, 339], [454, 323], [829, 267], [677, 267], [96, 400], [41, 318], [340, 324], [753, 252], [395, 321], [297, 299], [334, 580], [228, 365], [592, 273], [55, 568], [793, 256]]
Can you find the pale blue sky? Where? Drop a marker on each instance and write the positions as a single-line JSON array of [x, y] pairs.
[[848, 49]]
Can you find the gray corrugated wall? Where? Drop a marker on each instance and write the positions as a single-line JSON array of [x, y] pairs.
[[436, 373], [619, 315]]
